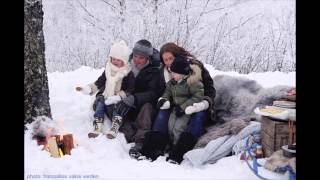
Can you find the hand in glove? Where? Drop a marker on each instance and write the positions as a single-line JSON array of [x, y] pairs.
[[112, 100], [179, 111], [190, 109], [200, 106], [197, 107], [161, 102], [129, 101]]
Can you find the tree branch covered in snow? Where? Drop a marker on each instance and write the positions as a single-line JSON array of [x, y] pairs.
[[239, 35]]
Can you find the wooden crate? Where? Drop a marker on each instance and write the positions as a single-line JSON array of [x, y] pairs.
[[274, 135]]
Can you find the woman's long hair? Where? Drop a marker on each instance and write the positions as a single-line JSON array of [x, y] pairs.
[[175, 50]]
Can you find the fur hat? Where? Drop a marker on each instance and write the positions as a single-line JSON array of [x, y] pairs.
[[180, 65], [143, 47], [120, 50]]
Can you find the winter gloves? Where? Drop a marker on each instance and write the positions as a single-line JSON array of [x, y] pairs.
[[161, 101], [179, 111], [112, 100], [197, 107], [129, 101], [163, 104]]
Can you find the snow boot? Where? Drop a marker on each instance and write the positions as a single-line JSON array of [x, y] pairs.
[[134, 152], [154, 145], [97, 128], [116, 123], [185, 143]]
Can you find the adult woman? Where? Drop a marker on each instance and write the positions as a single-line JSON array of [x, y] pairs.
[[168, 53]]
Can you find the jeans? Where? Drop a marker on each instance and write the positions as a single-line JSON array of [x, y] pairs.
[[161, 121], [100, 110], [195, 125], [119, 109]]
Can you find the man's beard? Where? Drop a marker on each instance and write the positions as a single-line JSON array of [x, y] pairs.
[[137, 68]]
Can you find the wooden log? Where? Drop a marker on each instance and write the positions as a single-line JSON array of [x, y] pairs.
[[60, 144], [67, 143], [53, 147]]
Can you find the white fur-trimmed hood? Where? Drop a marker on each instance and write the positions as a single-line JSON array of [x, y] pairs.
[[195, 74]]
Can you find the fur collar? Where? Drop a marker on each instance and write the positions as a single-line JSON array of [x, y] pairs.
[[195, 74]]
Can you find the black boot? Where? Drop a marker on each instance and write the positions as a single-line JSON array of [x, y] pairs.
[[134, 152], [154, 145], [185, 143]]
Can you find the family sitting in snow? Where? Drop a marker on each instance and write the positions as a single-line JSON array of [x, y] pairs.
[[157, 100], [172, 125], [167, 102]]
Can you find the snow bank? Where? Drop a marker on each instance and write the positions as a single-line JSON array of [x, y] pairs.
[[102, 158]]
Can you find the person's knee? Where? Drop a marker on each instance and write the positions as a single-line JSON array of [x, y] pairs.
[[163, 114], [195, 127], [199, 117], [161, 119], [147, 107], [144, 117]]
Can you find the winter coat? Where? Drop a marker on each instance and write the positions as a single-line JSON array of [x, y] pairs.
[[209, 90], [183, 94], [127, 86], [147, 87]]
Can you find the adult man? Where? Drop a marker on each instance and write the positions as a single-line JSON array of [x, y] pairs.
[[145, 61]]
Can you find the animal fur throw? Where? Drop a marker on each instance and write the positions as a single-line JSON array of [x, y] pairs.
[[277, 160], [236, 98]]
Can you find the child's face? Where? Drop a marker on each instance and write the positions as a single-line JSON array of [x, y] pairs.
[[117, 62], [177, 77]]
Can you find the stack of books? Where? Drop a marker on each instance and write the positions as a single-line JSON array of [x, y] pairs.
[[285, 104]]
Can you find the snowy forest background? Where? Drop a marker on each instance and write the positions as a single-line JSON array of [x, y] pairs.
[[232, 35]]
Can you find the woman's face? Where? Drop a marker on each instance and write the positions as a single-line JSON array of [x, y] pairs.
[[117, 62], [167, 58]]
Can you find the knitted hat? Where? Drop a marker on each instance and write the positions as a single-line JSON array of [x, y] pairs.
[[143, 47], [120, 50], [180, 65]]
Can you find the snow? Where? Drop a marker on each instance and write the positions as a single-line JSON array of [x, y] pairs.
[[266, 79], [102, 158]]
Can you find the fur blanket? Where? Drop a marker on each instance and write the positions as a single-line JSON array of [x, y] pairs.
[[277, 161], [236, 98], [229, 128]]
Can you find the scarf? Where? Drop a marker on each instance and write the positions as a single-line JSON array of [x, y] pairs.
[[114, 77], [167, 75]]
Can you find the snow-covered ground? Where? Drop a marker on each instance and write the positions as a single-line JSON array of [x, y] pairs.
[[102, 158]]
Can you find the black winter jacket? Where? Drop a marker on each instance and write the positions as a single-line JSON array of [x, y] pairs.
[[147, 87]]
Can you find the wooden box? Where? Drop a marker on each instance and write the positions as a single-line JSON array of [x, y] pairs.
[[274, 135]]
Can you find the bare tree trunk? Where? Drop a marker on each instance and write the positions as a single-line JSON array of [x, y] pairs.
[[36, 91]]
